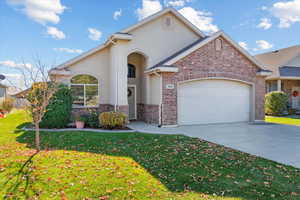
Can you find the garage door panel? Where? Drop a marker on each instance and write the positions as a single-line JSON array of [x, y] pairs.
[[213, 101]]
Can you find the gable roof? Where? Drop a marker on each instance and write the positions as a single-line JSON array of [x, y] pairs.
[[161, 13], [275, 59], [200, 43], [126, 35]]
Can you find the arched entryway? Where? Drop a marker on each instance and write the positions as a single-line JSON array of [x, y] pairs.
[[136, 84]]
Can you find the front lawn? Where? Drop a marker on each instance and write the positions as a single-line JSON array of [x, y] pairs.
[[289, 120], [84, 165]]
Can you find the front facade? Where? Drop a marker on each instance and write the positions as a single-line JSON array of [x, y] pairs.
[[285, 67], [163, 70]]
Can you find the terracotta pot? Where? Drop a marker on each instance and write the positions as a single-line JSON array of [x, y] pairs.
[[79, 124]]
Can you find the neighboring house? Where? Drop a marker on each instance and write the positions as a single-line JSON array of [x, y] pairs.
[[3, 92], [285, 67], [20, 100], [164, 70]]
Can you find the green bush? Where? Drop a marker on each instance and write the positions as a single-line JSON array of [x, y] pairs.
[[58, 111], [112, 120], [276, 103], [92, 120], [7, 104]]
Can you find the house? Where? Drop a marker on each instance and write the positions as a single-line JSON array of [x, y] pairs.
[[3, 92], [164, 70], [285, 67]]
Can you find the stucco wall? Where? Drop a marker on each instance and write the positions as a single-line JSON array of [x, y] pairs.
[[208, 62], [96, 65], [155, 90], [158, 42]]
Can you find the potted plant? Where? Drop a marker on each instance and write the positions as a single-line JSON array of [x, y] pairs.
[[80, 120]]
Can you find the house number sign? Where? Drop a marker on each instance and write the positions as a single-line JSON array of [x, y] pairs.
[[170, 86]]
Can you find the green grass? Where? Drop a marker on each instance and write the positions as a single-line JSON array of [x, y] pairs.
[[84, 165], [284, 120]]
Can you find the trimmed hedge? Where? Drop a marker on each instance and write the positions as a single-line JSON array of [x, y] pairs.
[[58, 112], [276, 103], [112, 120]]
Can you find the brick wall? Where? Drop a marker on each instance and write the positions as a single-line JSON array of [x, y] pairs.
[[207, 62], [148, 113]]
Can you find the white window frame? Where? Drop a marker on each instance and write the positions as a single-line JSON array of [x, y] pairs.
[[84, 95]]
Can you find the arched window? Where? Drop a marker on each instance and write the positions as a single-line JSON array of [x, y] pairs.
[[85, 91], [131, 71]]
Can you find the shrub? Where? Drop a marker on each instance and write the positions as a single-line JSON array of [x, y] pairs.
[[112, 120], [92, 120], [276, 103], [7, 104], [59, 109]]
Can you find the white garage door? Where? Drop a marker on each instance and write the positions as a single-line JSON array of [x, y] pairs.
[[213, 101]]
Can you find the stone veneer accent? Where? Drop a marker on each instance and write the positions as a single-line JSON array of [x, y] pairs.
[[148, 113], [207, 62]]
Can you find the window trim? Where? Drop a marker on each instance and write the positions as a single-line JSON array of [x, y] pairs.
[[84, 92]]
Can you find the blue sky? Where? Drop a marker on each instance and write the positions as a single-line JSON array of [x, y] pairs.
[[57, 30]]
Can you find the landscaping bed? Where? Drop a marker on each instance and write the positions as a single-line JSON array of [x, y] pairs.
[[288, 120], [86, 165]]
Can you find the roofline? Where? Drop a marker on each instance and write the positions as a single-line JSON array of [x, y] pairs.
[[81, 56], [276, 50], [125, 31], [209, 39], [160, 13], [162, 69]]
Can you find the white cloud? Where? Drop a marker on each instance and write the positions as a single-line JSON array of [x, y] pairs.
[[41, 11], [149, 7], [264, 8], [203, 20], [55, 33], [244, 45], [265, 23], [177, 3], [13, 64], [263, 45], [117, 14], [94, 34], [67, 50], [288, 12]]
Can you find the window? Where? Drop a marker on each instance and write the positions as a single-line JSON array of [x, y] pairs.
[[131, 71], [85, 91], [272, 86]]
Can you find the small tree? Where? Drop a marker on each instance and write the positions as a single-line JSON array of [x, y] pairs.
[[39, 97], [40, 90]]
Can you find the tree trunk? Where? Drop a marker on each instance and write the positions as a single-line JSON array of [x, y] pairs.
[[37, 137]]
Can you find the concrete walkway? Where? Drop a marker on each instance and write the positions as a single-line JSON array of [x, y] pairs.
[[280, 143]]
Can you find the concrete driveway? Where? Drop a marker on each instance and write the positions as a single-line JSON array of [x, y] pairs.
[[280, 143]]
